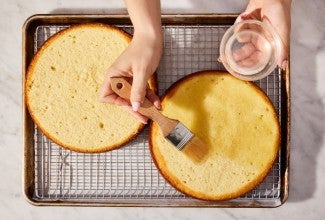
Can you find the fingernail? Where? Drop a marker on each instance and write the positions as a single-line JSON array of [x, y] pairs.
[[284, 65], [135, 106], [241, 17], [244, 15], [157, 105]]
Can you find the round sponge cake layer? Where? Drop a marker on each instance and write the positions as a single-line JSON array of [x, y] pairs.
[[237, 122], [63, 84]]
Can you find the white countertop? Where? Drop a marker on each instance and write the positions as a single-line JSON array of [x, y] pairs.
[[307, 162]]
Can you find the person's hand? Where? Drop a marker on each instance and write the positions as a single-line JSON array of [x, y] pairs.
[[277, 12], [138, 62]]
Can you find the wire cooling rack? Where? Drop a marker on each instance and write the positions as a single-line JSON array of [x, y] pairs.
[[128, 175]]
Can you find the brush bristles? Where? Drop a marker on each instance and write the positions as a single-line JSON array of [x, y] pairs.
[[196, 149]]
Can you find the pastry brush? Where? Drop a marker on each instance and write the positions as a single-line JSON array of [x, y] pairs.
[[173, 130]]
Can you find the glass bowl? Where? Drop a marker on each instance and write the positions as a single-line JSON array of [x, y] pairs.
[[250, 49]]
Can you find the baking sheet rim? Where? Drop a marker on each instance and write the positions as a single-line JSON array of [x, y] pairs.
[[166, 18]]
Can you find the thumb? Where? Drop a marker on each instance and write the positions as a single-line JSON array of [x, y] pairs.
[[138, 90], [241, 17], [282, 62], [283, 30], [247, 15]]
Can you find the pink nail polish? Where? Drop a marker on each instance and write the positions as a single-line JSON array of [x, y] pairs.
[[157, 105], [135, 106], [284, 65]]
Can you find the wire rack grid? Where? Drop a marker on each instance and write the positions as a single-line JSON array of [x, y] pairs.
[[129, 174]]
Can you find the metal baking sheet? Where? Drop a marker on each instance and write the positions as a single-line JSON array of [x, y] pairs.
[[128, 176]]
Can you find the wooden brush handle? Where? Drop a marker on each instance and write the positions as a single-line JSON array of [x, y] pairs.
[[123, 88]]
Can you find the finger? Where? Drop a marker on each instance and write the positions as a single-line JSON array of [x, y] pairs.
[[283, 29], [153, 98], [247, 36], [143, 119], [106, 89], [255, 14], [239, 28], [138, 90], [282, 63], [250, 61], [245, 51], [241, 17], [115, 99], [283, 57], [244, 37]]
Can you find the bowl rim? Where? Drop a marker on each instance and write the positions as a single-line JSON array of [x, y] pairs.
[[265, 24]]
